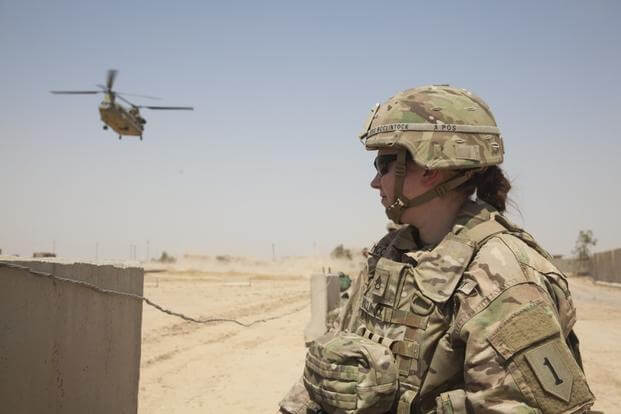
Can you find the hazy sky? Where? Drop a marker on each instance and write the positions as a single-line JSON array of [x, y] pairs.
[[281, 89]]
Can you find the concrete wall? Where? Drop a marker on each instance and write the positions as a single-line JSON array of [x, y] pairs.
[[603, 266], [65, 348], [606, 266], [571, 266]]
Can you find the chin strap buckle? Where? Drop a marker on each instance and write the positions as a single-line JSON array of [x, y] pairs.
[[441, 190], [397, 204], [395, 210]]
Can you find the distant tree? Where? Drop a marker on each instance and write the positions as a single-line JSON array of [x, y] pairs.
[[224, 258], [166, 258], [341, 252], [583, 243]]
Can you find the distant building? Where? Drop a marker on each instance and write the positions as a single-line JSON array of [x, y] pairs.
[[43, 254]]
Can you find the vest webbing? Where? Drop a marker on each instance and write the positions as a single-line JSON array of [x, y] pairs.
[[497, 224], [480, 233]]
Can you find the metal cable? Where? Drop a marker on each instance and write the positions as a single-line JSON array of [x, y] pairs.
[[142, 298]]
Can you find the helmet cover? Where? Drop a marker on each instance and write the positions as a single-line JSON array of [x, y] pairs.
[[442, 127]]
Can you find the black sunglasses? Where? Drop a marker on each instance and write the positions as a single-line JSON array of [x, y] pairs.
[[382, 163]]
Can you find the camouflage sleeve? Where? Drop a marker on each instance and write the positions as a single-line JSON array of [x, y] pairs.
[[516, 357]]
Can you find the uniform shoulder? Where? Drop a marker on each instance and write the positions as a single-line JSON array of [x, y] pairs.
[[494, 268], [507, 259], [505, 267], [528, 253]]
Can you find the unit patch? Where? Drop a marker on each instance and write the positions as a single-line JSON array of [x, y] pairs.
[[551, 370]]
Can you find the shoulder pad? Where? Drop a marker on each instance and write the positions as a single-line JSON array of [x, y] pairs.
[[439, 271]]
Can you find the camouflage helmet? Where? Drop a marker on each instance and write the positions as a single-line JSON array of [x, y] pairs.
[[441, 127], [348, 374]]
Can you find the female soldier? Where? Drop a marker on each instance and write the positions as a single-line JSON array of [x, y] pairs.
[[460, 311]]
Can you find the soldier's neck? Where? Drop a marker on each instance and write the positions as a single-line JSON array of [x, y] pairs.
[[435, 219]]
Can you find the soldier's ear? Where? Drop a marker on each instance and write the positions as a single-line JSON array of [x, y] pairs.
[[431, 178]]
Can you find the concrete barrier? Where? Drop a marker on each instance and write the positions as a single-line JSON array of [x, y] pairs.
[[65, 348], [325, 297]]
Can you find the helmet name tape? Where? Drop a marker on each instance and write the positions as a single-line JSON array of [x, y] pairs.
[[472, 129]]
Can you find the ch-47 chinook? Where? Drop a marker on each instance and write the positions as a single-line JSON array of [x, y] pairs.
[[125, 121]]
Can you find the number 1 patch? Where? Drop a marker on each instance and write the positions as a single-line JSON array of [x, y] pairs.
[[548, 364]]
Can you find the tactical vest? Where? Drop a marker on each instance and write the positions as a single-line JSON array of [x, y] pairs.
[[407, 307]]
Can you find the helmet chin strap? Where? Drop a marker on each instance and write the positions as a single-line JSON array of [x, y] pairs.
[[402, 203]]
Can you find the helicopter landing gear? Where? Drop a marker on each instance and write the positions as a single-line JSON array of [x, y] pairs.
[[105, 127]]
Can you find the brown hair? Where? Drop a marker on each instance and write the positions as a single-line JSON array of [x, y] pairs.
[[491, 186]]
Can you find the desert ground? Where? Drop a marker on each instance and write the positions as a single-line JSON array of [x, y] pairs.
[[222, 367]]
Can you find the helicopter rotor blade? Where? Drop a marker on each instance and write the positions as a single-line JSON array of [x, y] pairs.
[[110, 80], [125, 100], [186, 108], [138, 96], [75, 92]]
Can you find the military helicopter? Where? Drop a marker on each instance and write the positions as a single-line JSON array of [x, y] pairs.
[[125, 121]]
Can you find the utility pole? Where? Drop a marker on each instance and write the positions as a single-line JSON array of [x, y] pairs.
[[96, 251], [273, 252]]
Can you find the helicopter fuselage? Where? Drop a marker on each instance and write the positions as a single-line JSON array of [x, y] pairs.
[[121, 119], [125, 120]]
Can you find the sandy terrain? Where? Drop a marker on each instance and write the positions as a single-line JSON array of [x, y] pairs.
[[225, 368]]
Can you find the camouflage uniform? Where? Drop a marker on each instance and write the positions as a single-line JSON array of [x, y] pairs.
[[482, 322]]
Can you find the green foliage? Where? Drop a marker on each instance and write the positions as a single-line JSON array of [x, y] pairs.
[[341, 252], [166, 258], [582, 248]]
